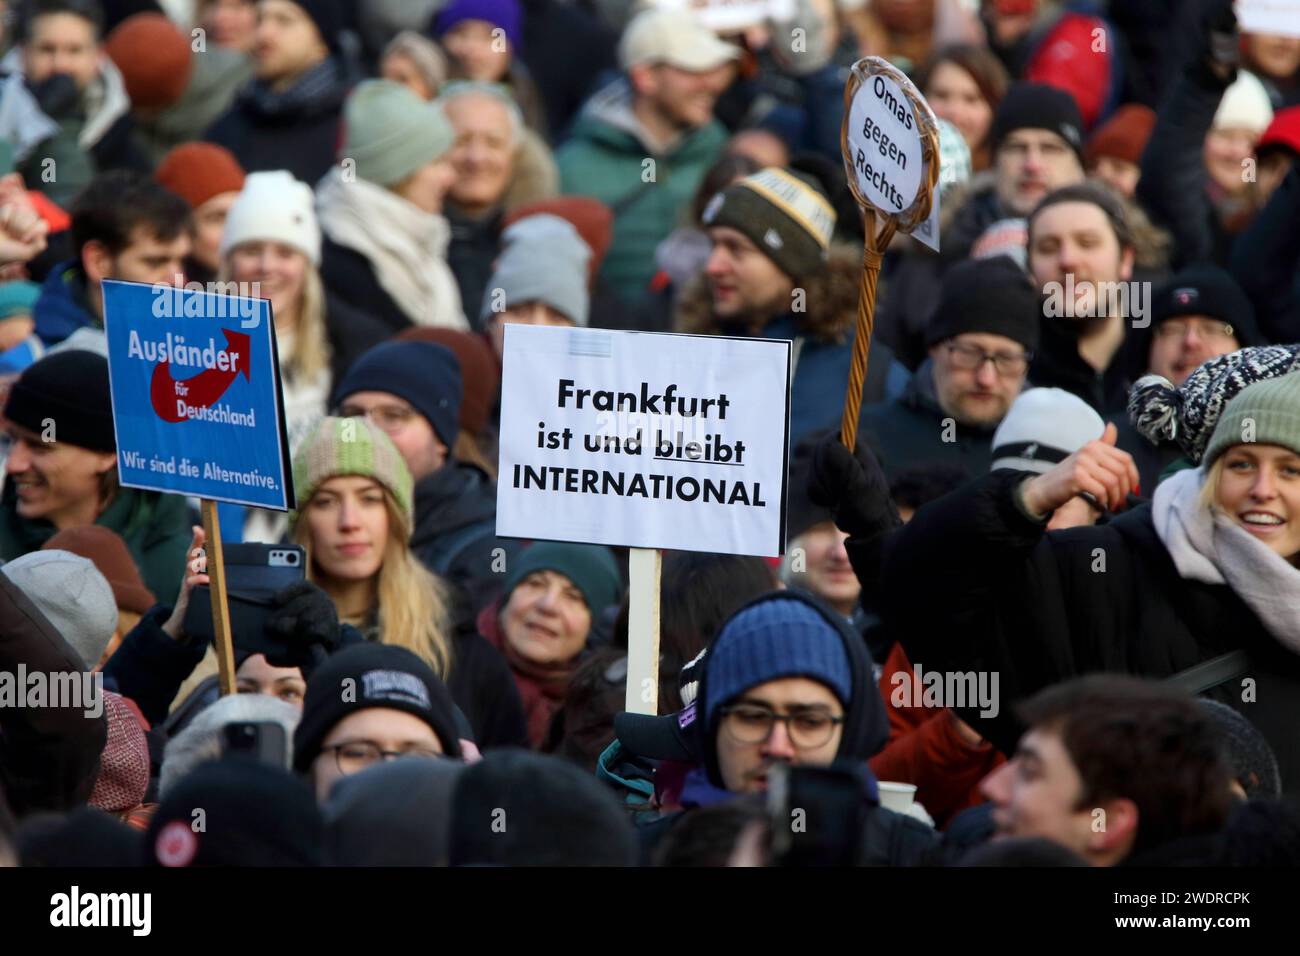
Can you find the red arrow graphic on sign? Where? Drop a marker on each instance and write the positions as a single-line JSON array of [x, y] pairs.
[[203, 389]]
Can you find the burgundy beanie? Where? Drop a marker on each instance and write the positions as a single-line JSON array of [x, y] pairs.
[[1124, 135], [198, 171], [154, 58]]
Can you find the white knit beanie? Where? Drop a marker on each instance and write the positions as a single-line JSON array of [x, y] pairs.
[[72, 594], [274, 207], [1044, 426], [1245, 105]]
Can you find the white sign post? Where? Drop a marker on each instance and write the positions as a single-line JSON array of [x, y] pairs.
[[647, 441]]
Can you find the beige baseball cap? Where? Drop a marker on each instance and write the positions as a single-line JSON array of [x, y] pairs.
[[674, 37]]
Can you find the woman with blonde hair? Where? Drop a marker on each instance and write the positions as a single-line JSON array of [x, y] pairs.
[[1200, 586], [354, 519]]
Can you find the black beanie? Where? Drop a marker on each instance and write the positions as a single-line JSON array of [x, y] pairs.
[[783, 213], [993, 296], [1039, 106], [515, 808], [1206, 289], [372, 675], [328, 17], [801, 512], [252, 814], [70, 390]]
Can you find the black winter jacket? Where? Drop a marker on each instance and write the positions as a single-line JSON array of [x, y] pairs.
[[1266, 262], [350, 278], [455, 531], [973, 584]]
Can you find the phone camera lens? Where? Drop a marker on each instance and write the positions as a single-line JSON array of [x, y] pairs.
[[292, 557]]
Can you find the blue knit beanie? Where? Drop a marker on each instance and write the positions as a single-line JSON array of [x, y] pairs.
[[424, 374], [506, 14], [783, 637]]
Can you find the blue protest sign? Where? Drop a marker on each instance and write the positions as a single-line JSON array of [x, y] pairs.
[[196, 394]]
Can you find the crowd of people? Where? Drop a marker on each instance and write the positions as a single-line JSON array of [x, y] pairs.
[[1046, 613]]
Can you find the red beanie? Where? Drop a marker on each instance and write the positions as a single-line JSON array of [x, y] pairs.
[[1124, 135], [591, 217], [198, 171], [1284, 131], [154, 58]]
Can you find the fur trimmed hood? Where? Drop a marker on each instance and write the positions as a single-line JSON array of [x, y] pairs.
[[832, 302]]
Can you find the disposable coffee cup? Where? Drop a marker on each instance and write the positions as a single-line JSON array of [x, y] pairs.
[[896, 796]]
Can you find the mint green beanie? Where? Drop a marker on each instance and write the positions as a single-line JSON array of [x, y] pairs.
[[390, 132], [1265, 413]]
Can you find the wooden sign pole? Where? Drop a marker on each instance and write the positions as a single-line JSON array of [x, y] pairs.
[[875, 244], [222, 641], [644, 565]]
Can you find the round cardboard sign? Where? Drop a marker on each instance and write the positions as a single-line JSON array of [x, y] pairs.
[[890, 143]]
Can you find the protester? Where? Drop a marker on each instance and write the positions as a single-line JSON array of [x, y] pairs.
[[203, 739], [397, 707], [552, 597], [1140, 759], [209, 178], [496, 163], [288, 116], [539, 279], [230, 24], [981, 339], [176, 93], [124, 226], [416, 62], [60, 57], [385, 249], [67, 477], [964, 85], [773, 273], [72, 594], [354, 519], [661, 113], [412, 392], [1114, 150]]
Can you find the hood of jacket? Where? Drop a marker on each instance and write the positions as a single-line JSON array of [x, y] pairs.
[[608, 120], [454, 496], [831, 304], [62, 308]]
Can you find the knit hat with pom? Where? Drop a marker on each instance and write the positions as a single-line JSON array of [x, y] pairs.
[[1190, 414]]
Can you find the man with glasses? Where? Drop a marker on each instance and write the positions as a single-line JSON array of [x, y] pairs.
[[412, 391], [372, 702], [981, 340], [787, 682], [1198, 314]]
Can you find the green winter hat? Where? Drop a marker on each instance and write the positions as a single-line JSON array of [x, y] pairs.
[[391, 132], [1266, 413], [350, 446], [590, 567]]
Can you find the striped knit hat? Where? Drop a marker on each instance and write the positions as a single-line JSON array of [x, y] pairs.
[[350, 446], [783, 214]]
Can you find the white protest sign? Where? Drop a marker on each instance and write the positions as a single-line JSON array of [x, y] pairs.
[[729, 15], [1280, 17], [645, 440], [889, 142]]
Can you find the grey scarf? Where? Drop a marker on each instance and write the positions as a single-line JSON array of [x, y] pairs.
[[1208, 546]]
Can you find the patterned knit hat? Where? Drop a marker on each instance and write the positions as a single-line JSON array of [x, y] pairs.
[[124, 764], [1190, 414], [783, 214], [350, 446]]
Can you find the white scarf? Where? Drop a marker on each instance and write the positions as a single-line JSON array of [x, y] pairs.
[[406, 246], [1208, 546]]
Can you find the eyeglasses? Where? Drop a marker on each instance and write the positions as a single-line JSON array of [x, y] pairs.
[[970, 357], [357, 755], [1205, 328], [389, 418], [807, 729]]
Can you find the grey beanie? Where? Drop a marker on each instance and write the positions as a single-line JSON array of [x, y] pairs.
[[391, 132], [543, 260], [74, 597]]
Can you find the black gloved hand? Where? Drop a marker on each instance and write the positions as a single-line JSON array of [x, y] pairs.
[[305, 621], [853, 487]]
